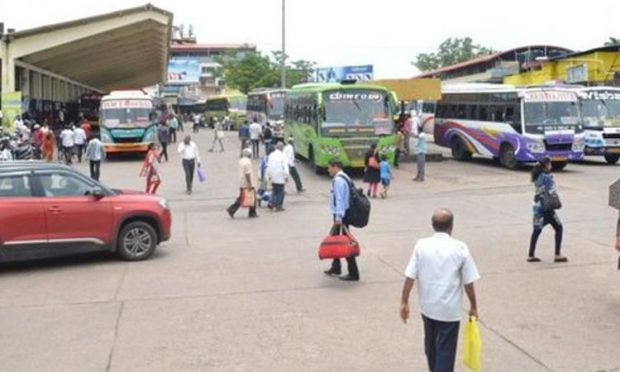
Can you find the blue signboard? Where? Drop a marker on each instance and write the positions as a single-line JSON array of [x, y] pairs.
[[339, 73], [183, 71]]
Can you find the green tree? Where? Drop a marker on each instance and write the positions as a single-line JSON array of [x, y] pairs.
[[256, 70], [612, 41], [450, 52]]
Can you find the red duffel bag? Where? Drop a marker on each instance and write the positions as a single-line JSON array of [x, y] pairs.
[[339, 246]]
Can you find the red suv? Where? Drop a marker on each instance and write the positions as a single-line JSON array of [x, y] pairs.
[[49, 209]]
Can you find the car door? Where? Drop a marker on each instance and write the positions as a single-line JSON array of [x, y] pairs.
[[22, 217], [73, 216]]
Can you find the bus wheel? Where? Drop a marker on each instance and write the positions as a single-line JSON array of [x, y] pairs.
[[459, 150], [507, 157], [612, 158], [558, 165]]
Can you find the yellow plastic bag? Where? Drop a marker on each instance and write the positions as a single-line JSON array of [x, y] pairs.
[[472, 345]]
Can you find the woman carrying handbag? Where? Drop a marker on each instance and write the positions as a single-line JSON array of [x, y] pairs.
[[546, 202]]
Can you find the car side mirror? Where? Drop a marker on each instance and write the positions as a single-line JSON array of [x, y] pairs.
[[97, 193]]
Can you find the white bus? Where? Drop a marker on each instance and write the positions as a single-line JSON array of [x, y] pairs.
[[127, 121], [513, 125], [601, 117]]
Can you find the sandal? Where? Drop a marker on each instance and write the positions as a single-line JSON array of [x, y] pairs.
[[560, 259], [533, 259]]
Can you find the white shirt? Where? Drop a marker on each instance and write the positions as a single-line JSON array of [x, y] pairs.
[[289, 152], [189, 152], [67, 138], [255, 131], [79, 136], [441, 266], [277, 167]]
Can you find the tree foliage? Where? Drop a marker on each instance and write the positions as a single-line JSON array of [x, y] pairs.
[[612, 41], [450, 51], [256, 70]]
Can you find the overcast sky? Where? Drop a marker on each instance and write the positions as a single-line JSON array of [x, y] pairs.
[[387, 34]]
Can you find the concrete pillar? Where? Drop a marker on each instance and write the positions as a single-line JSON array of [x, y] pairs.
[[8, 72]]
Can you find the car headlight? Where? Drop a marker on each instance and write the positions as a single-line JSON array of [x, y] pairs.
[[105, 136], [164, 203], [536, 147]]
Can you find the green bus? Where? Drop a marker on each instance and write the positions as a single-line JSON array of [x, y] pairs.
[[231, 105], [340, 121]]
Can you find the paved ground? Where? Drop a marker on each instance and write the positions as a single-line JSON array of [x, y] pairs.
[[249, 295]]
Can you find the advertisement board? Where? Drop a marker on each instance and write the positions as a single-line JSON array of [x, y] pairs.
[[183, 71], [337, 74], [11, 107]]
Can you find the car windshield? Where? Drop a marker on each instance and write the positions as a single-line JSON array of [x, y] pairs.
[[546, 116], [601, 112], [357, 108]]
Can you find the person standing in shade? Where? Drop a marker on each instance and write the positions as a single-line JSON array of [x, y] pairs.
[[339, 200], [267, 136], [255, 133], [163, 134], [289, 152], [400, 139], [246, 182], [47, 148], [68, 142], [442, 267], [420, 150], [277, 169], [79, 138], [95, 153], [173, 125], [543, 182], [190, 157]]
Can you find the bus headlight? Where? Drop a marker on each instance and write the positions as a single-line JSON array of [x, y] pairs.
[[331, 150], [578, 146], [150, 135], [105, 136], [536, 147]]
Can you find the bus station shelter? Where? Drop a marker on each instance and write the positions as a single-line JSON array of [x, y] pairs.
[[46, 69]]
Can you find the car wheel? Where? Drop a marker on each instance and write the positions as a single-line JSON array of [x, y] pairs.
[[137, 241]]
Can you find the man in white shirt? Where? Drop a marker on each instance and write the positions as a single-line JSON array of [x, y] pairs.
[[190, 157], [95, 153], [67, 139], [442, 266], [289, 152], [255, 132], [79, 138], [277, 169]]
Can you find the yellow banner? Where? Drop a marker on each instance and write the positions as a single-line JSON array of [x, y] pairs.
[[11, 107]]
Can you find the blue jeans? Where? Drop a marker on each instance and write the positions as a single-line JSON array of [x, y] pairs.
[[440, 340], [277, 198]]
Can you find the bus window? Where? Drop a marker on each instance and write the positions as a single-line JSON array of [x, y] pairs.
[[460, 112], [483, 113]]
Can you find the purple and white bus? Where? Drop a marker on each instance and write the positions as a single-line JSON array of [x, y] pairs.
[[513, 125]]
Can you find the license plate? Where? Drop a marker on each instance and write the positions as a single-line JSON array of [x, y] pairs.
[[558, 158], [614, 151]]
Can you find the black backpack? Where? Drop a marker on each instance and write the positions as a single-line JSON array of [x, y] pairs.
[[358, 213]]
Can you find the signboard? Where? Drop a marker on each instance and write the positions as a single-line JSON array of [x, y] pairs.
[[183, 71], [339, 73], [127, 103], [549, 96], [11, 107], [577, 74]]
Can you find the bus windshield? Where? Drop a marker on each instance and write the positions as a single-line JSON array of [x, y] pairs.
[[551, 116], [600, 112], [347, 108], [276, 107], [217, 105], [126, 113]]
